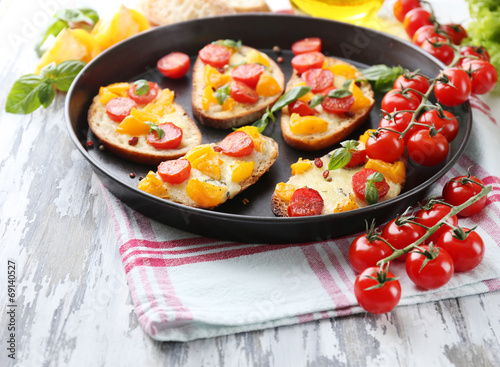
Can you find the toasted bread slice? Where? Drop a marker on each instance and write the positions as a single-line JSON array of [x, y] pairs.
[[241, 113], [339, 125], [214, 176], [142, 152]]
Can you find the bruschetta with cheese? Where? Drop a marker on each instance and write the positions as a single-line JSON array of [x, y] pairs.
[[233, 84], [141, 122], [339, 102], [210, 174]]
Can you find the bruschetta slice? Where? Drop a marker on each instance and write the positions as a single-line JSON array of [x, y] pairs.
[[210, 174], [233, 84], [142, 123]]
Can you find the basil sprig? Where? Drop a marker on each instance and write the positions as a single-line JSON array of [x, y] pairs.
[[371, 192], [154, 127], [222, 93], [142, 87], [229, 43], [382, 77], [342, 156], [31, 91]]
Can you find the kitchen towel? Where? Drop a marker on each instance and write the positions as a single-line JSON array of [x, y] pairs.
[[187, 287]]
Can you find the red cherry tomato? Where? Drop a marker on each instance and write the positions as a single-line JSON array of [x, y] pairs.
[[307, 45], [358, 157], [439, 49], [477, 51], [456, 32], [466, 249], [318, 79], [426, 149], [385, 145], [144, 98], [248, 74], [215, 55], [301, 108], [413, 81], [460, 189], [174, 65], [444, 121], [484, 75], [119, 108], [430, 217], [305, 202], [175, 171], [436, 273], [237, 144], [242, 93], [170, 140], [337, 105], [401, 235], [400, 123], [415, 19], [377, 300], [402, 7], [360, 183], [426, 32], [364, 253], [397, 100], [308, 60], [456, 90]]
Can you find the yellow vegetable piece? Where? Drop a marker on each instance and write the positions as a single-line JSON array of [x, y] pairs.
[[301, 166], [207, 98], [144, 116], [241, 170], [364, 138], [267, 86], [346, 205], [106, 95], [206, 160], [213, 78], [254, 134], [205, 194], [119, 88], [344, 70], [153, 185], [306, 98], [197, 152], [228, 104], [132, 126], [162, 104], [307, 124], [70, 44], [256, 57], [125, 23], [284, 191], [396, 172], [360, 100]]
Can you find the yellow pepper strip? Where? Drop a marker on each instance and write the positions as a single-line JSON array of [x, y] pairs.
[[301, 166], [284, 191], [346, 205], [241, 170], [396, 172], [153, 185], [307, 124], [205, 194]]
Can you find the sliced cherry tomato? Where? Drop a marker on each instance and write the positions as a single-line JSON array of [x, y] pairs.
[[307, 45], [401, 235], [318, 79], [215, 55], [171, 138], [305, 202], [465, 247], [430, 217], [440, 49], [426, 149], [444, 121], [174, 65], [248, 74], [398, 100], [428, 31], [366, 251], [175, 171], [301, 108], [308, 60], [484, 75], [337, 105], [361, 183], [400, 123], [453, 87], [242, 93], [415, 19], [402, 7], [358, 158], [460, 189], [119, 108], [379, 295], [385, 145], [144, 98], [478, 51], [237, 144], [437, 271], [412, 81], [456, 32]]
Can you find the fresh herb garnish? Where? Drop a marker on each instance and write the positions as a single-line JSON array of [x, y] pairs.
[[229, 43], [222, 93], [371, 192], [142, 87], [342, 156], [382, 77], [154, 127]]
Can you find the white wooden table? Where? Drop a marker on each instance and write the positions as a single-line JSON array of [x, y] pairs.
[[72, 302]]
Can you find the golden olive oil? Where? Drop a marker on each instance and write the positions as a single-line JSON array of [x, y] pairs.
[[353, 11]]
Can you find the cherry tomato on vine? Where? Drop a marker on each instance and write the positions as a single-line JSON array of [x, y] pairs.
[[174, 65], [439, 49], [400, 123], [456, 32], [427, 149], [366, 251], [453, 87], [401, 235], [415, 19], [402, 7], [379, 295], [435, 273], [385, 145], [478, 51], [484, 76], [444, 121], [398, 100], [413, 81], [460, 189], [431, 216], [305, 202], [307, 45], [428, 31], [465, 247]]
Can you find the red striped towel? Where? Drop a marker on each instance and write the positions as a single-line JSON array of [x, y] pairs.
[[187, 287]]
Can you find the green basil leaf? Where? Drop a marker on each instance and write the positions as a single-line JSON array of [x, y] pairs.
[[339, 93], [229, 43], [371, 193], [375, 177], [339, 158], [382, 77], [261, 123], [23, 96], [222, 93], [46, 93], [53, 29], [65, 73], [290, 96], [350, 144], [75, 16], [154, 127], [142, 87], [316, 101]]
